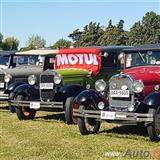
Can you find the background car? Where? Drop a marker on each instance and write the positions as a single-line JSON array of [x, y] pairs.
[[131, 97], [24, 66], [6, 61], [75, 70]]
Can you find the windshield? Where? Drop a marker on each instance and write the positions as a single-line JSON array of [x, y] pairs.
[[4, 60], [142, 58], [28, 60]]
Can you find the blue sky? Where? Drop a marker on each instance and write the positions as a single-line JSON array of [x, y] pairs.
[[53, 19]]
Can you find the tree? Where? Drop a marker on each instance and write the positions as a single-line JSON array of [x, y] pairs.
[[114, 35], [110, 24], [89, 36], [120, 25], [10, 43], [35, 41], [1, 38], [146, 31], [61, 44], [76, 37]]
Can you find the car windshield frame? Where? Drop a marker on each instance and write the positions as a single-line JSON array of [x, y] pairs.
[[6, 62], [142, 58]]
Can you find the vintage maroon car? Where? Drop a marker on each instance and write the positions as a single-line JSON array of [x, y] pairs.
[[131, 97]]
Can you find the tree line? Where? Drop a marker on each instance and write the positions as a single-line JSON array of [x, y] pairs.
[[144, 31]]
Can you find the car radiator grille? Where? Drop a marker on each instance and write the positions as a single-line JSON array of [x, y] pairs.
[[2, 81], [1, 78], [121, 102], [47, 94]]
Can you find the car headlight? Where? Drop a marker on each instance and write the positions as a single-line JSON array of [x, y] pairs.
[[100, 85], [138, 86], [32, 79], [101, 105], [7, 78], [157, 87], [57, 79]]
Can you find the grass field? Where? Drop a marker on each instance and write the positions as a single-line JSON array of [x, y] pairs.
[[49, 138]]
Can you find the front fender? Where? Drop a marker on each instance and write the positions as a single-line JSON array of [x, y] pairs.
[[68, 91], [152, 100], [27, 90], [12, 86], [88, 97]]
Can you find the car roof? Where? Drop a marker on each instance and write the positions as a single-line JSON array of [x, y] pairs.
[[78, 50], [110, 47], [144, 47], [38, 52], [7, 53], [89, 49]]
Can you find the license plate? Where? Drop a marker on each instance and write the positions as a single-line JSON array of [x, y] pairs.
[[119, 93], [108, 115], [46, 85], [34, 105], [1, 85]]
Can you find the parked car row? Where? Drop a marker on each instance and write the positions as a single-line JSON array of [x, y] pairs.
[[119, 84]]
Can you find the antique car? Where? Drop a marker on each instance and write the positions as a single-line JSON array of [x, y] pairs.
[[6, 59], [131, 97], [24, 66], [75, 70]]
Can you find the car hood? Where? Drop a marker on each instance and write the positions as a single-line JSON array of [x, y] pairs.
[[149, 75], [73, 72], [3, 66], [24, 70]]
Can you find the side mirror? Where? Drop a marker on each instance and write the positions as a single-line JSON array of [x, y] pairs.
[[149, 53], [121, 57], [105, 54]]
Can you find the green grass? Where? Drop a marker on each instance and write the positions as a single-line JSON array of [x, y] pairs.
[[49, 138]]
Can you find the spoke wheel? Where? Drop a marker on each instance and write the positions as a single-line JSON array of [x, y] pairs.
[[24, 113], [69, 105], [157, 122], [88, 125], [154, 128]]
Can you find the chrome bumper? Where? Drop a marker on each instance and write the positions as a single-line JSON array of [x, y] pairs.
[[118, 116], [43, 105], [3, 96]]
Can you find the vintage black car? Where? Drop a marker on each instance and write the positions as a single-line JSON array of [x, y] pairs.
[[76, 69], [23, 67], [6, 61], [131, 97]]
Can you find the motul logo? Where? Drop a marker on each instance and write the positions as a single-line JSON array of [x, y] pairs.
[[89, 59]]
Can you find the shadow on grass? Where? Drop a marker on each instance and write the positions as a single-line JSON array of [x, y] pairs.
[[127, 131], [58, 116]]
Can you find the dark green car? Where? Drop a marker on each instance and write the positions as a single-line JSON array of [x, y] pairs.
[[75, 70]]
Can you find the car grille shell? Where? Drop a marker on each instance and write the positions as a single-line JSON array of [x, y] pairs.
[[121, 103], [47, 94]]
